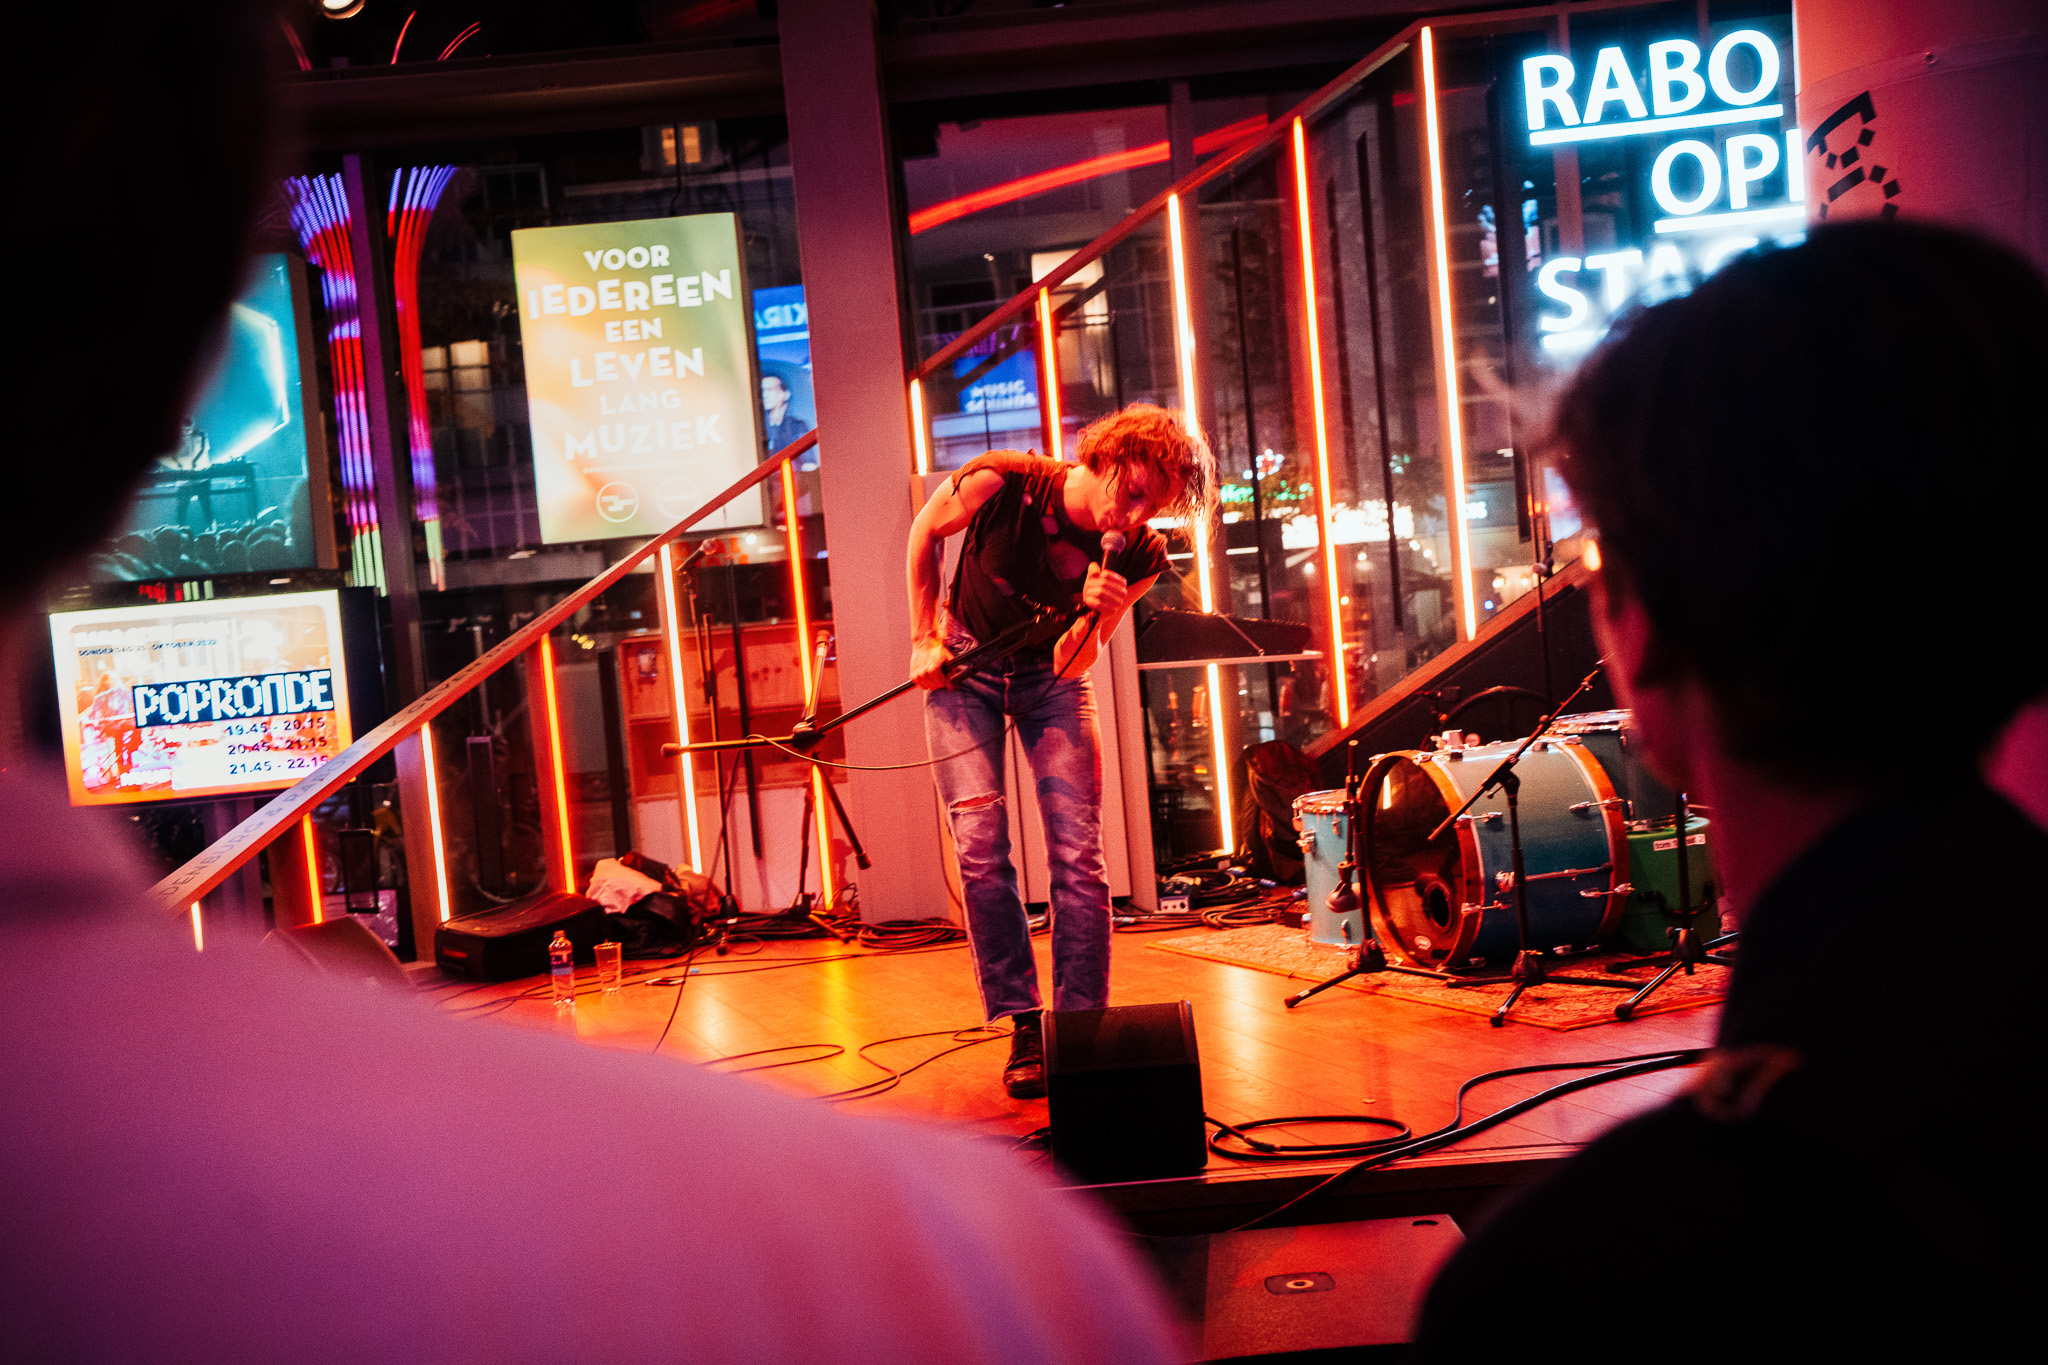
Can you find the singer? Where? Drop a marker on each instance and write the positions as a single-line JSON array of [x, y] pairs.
[[1041, 534]]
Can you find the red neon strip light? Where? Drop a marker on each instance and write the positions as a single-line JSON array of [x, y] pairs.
[[312, 870], [402, 30], [547, 675], [458, 41], [803, 653], [1461, 535], [1048, 344], [1338, 667], [1073, 173]]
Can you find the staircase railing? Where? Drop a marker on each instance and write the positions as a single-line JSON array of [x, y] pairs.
[[230, 853]]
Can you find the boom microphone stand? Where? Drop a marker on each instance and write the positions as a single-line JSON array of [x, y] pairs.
[[818, 913], [1532, 966], [1044, 624]]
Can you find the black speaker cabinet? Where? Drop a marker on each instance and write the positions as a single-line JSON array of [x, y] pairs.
[[512, 940], [1124, 1091]]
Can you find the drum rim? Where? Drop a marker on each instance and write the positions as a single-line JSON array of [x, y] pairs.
[[1466, 925], [1302, 806]]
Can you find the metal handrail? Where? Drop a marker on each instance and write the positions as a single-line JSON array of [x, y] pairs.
[[217, 863]]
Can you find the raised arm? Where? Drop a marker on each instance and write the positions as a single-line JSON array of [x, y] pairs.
[[946, 514]]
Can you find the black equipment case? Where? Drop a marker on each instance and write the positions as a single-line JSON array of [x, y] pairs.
[[512, 940]]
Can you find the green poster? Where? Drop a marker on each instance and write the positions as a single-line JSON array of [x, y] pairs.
[[639, 376]]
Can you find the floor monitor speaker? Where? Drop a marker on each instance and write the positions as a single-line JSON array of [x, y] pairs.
[[1124, 1091]]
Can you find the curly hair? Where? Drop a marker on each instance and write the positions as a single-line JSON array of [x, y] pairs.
[[1813, 473], [1166, 442]]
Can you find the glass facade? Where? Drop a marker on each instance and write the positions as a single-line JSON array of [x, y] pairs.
[[1363, 308]]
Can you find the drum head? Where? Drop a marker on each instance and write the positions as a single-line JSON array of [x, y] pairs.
[[1418, 886]]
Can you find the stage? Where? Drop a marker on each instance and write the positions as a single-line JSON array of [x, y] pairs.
[[1344, 1052]]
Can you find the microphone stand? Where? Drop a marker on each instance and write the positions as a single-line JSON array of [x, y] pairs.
[[1531, 967], [1687, 948], [807, 734]]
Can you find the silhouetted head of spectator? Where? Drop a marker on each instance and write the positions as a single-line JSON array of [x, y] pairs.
[[1815, 474], [130, 107]]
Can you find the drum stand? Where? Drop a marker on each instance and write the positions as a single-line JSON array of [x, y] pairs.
[[1687, 949], [1532, 966], [1368, 956]]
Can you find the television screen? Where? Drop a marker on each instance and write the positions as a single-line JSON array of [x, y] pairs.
[[234, 497], [189, 699]]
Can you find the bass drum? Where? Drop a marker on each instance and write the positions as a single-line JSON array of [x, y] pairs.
[[1324, 830], [1451, 902]]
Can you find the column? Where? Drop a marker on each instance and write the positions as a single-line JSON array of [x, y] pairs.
[[847, 216], [1932, 111]]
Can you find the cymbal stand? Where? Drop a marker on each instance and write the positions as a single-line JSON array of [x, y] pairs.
[[1532, 965], [1349, 895], [1687, 949]]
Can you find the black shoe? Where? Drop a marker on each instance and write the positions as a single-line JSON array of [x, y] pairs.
[[1024, 1077]]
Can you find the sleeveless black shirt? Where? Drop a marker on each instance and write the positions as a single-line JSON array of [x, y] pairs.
[[1022, 551]]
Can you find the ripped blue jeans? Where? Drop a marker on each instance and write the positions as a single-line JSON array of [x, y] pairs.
[[1055, 719]]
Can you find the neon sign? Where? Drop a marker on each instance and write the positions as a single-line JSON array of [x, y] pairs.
[[1676, 89], [1711, 200]]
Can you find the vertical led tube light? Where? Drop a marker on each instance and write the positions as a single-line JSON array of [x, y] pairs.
[[678, 700], [1454, 418], [198, 930], [801, 596], [415, 192], [320, 217], [1048, 341], [314, 900], [919, 443], [559, 773], [1184, 346], [1339, 669], [1184, 338], [433, 784]]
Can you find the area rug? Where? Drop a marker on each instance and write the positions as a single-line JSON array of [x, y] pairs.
[[1287, 951]]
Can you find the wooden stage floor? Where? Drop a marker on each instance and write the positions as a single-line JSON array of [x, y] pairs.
[[1344, 1052]]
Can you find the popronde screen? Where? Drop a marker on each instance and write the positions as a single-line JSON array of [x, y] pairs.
[[200, 698]]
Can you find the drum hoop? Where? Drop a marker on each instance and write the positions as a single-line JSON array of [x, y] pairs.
[[1302, 806]]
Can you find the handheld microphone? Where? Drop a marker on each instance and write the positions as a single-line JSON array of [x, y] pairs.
[[1112, 546]]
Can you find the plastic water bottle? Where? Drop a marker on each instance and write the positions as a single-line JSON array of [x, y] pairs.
[[562, 968]]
